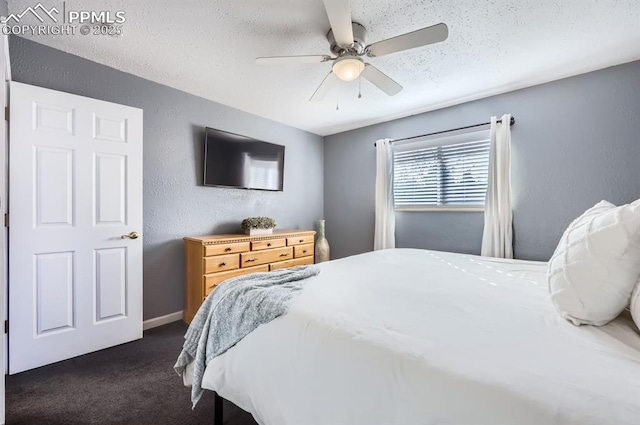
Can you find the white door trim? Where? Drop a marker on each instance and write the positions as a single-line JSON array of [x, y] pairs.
[[4, 194]]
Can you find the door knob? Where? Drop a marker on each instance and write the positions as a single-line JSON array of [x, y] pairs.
[[132, 235]]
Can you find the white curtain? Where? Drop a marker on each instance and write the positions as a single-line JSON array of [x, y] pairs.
[[497, 239], [385, 228]]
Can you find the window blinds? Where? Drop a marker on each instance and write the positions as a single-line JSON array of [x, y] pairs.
[[442, 174]]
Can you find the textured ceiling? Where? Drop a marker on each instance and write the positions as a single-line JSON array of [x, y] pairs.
[[208, 48]]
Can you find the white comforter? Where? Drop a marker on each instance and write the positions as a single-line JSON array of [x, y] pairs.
[[410, 336]]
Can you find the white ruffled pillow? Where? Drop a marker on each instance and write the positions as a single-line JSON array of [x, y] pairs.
[[635, 305], [596, 265]]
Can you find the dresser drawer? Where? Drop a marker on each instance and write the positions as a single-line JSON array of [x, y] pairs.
[[210, 281], [248, 259], [291, 263], [300, 240], [303, 250], [273, 243], [228, 248], [221, 263]]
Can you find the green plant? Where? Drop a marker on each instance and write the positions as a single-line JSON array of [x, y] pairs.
[[258, 223]]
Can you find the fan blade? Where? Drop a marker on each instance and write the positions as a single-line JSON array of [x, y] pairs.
[[327, 84], [339, 13], [381, 80], [423, 37], [286, 60]]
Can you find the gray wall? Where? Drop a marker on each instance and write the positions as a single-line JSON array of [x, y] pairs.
[[175, 202], [576, 141]]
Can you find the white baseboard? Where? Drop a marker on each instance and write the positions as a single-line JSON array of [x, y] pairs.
[[162, 320]]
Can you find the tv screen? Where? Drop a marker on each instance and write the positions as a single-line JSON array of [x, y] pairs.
[[231, 160]]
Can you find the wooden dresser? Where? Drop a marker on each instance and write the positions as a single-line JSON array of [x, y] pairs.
[[213, 259]]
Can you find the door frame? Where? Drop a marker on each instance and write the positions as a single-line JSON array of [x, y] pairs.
[[4, 197]]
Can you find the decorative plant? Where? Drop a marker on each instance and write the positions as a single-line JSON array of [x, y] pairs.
[[258, 223]]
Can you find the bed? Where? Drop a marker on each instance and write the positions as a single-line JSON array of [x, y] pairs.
[[408, 336]]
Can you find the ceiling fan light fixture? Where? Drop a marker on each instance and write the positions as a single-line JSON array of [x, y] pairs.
[[348, 68]]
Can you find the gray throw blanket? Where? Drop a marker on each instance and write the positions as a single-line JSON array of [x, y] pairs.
[[232, 311]]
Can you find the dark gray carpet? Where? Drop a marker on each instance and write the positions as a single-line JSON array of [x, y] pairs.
[[132, 383]]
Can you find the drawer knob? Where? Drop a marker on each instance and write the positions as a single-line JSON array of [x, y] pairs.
[[222, 264], [301, 240], [227, 249], [268, 244], [284, 254], [304, 251], [251, 260]]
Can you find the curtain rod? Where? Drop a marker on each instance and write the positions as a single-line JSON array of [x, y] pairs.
[[512, 122]]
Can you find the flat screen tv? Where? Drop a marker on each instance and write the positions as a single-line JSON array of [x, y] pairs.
[[231, 160]]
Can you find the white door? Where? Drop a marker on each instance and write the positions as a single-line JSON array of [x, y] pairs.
[[75, 187]]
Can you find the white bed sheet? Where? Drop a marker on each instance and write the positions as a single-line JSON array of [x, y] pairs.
[[410, 336]]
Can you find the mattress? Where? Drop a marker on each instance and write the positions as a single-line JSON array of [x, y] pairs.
[[409, 336]]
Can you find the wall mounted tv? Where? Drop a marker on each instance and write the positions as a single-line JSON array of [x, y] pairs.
[[231, 160]]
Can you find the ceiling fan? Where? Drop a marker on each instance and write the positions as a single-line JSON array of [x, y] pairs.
[[347, 43]]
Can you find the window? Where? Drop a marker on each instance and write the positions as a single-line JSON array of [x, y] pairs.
[[443, 173]]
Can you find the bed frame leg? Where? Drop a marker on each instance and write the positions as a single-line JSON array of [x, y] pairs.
[[217, 406]]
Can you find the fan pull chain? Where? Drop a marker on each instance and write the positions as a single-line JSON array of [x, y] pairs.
[[360, 83], [338, 100]]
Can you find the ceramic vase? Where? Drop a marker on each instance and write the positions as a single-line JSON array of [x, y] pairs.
[[322, 245]]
